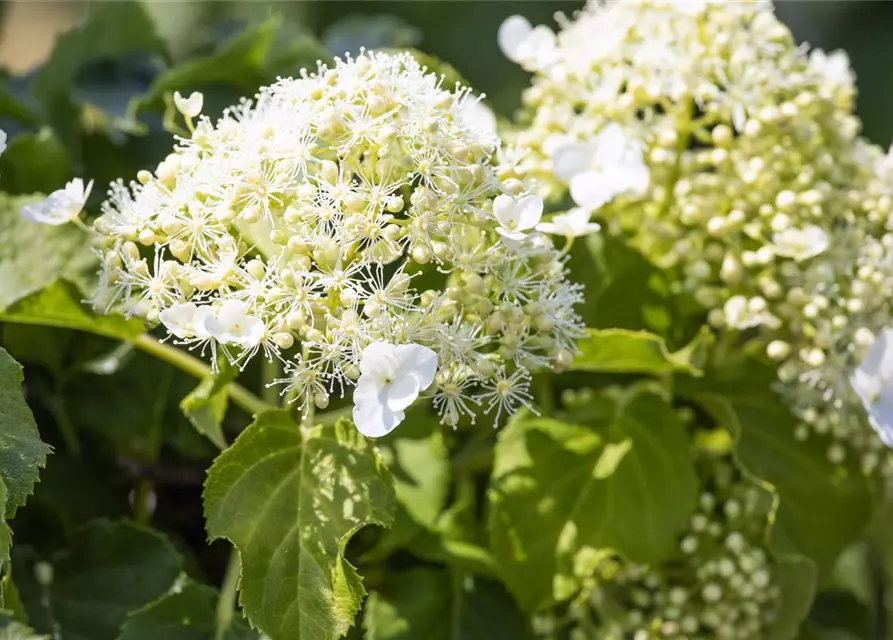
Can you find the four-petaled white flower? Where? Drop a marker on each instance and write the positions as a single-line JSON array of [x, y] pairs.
[[873, 383], [191, 106], [517, 216], [525, 44], [2, 141], [232, 324], [61, 206], [187, 320], [391, 377], [572, 224], [800, 244], [610, 165]]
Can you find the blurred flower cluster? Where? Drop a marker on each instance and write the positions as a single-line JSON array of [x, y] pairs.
[[353, 206], [731, 157]]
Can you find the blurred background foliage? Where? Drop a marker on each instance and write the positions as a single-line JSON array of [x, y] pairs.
[[460, 32]]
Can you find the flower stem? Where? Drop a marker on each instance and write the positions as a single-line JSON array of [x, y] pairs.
[[226, 604], [195, 367]]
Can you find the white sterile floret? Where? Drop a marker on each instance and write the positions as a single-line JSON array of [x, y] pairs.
[[186, 321], [873, 383], [572, 224], [520, 42], [61, 206], [611, 165], [190, 107], [2, 141], [361, 204], [800, 244], [231, 324], [517, 216], [391, 377]]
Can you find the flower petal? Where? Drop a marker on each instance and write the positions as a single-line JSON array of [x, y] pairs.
[[374, 419], [570, 159], [512, 33], [505, 211], [529, 210], [401, 392], [420, 362], [379, 360], [592, 190]]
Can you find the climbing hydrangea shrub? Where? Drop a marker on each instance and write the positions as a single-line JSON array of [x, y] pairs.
[[354, 205], [730, 157]]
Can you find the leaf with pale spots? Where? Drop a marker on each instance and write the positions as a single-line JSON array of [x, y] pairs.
[[290, 498]]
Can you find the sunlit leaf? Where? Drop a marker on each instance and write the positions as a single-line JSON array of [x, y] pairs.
[[289, 498], [624, 351], [622, 480], [206, 405], [33, 256]]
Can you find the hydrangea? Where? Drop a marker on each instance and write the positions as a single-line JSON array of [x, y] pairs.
[[722, 584], [356, 206], [743, 174]]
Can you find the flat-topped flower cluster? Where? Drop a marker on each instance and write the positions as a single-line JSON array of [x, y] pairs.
[[351, 222], [730, 156]]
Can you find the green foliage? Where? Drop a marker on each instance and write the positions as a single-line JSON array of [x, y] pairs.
[[34, 162], [186, 613], [107, 570], [823, 505], [559, 488], [33, 256], [624, 351], [5, 531], [12, 629], [434, 604], [206, 405], [59, 305], [21, 451], [319, 485]]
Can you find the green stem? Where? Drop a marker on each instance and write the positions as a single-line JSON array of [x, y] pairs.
[[270, 371], [66, 426], [226, 604], [141, 501], [195, 367]]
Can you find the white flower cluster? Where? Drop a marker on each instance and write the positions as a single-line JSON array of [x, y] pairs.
[[351, 222], [730, 156], [722, 585]]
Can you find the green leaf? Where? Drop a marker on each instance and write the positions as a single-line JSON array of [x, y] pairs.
[[22, 453], [206, 405], [624, 351], [289, 499], [822, 506], [108, 570], [355, 32], [34, 162], [111, 31], [417, 458], [59, 305], [432, 604], [797, 578], [624, 481], [187, 613], [5, 531], [12, 629], [33, 256], [253, 57]]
